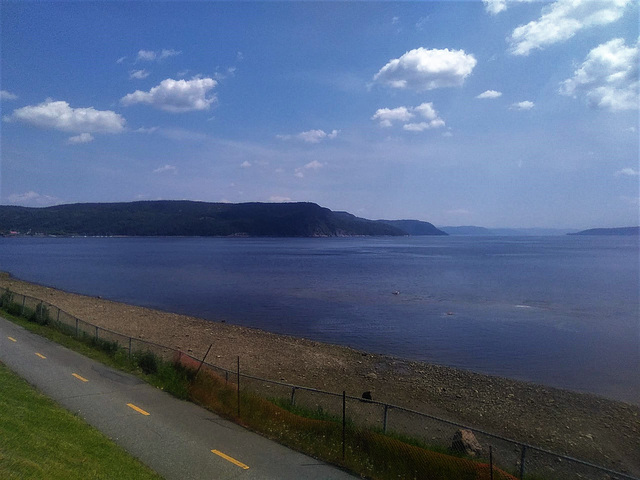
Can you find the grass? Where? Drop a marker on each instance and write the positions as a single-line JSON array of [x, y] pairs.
[[39, 439], [368, 453]]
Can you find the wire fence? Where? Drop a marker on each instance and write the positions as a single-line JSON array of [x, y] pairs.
[[426, 445]]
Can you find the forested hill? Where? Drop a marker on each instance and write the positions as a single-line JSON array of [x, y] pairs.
[[610, 231], [415, 227], [186, 218]]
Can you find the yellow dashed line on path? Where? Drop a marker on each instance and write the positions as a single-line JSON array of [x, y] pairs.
[[12, 339], [137, 409], [79, 377], [231, 459], [40, 355]]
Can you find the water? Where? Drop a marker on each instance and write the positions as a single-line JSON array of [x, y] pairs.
[[561, 311]]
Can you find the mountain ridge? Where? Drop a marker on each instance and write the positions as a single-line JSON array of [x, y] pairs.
[[190, 218]]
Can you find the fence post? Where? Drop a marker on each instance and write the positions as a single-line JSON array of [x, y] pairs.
[[76, 327], [58, 316], [238, 386], [96, 332], [522, 458], [344, 423], [384, 420], [293, 395], [23, 300], [203, 359], [129, 348]]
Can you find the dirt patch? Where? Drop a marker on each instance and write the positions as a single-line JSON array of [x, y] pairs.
[[584, 426]]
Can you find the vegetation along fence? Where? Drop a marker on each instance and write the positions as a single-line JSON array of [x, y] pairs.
[[376, 439]]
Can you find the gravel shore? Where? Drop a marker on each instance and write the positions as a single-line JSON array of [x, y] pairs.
[[584, 426]]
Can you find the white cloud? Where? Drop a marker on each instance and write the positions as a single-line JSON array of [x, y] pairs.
[[608, 77], [386, 117], [627, 172], [59, 115], [422, 22], [562, 20], [311, 136], [166, 168], [314, 165], [33, 199], [419, 127], [4, 95], [175, 96], [526, 105], [121, 59], [298, 174], [138, 74], [146, 55], [166, 53], [82, 138], [279, 199], [146, 130], [150, 55], [496, 6], [245, 164], [489, 94], [423, 69]]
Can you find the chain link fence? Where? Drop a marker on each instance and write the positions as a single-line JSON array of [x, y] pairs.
[[357, 429]]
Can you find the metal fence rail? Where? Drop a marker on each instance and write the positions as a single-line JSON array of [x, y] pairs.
[[522, 460]]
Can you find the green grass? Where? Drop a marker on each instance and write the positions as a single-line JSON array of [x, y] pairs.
[[39, 439]]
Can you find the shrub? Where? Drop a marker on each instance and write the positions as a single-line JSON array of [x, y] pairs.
[[148, 362]]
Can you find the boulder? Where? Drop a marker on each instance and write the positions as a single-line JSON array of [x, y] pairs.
[[465, 441]]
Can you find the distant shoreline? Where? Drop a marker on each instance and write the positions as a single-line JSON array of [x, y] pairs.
[[551, 418]]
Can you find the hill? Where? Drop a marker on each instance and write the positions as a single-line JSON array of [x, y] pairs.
[[187, 218], [414, 227], [610, 231]]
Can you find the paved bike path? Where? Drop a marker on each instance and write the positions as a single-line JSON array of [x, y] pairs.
[[173, 437]]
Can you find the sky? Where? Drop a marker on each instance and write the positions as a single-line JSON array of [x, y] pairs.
[[497, 113]]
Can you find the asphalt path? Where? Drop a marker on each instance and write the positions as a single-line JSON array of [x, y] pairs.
[[177, 439]]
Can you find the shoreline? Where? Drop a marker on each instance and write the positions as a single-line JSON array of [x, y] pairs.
[[581, 425]]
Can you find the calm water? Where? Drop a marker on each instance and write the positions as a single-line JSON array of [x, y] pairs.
[[561, 311]]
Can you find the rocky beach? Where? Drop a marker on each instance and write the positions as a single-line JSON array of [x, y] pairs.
[[584, 426]]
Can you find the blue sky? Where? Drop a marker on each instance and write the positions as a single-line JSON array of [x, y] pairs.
[[494, 113]]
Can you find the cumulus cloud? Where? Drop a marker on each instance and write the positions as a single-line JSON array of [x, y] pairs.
[[425, 112], [386, 116], [138, 74], [608, 77], [311, 136], [166, 168], [489, 94], [245, 164], [59, 115], [496, 6], [4, 95], [82, 138], [627, 172], [423, 69], [33, 199], [175, 96], [526, 105], [562, 20]]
